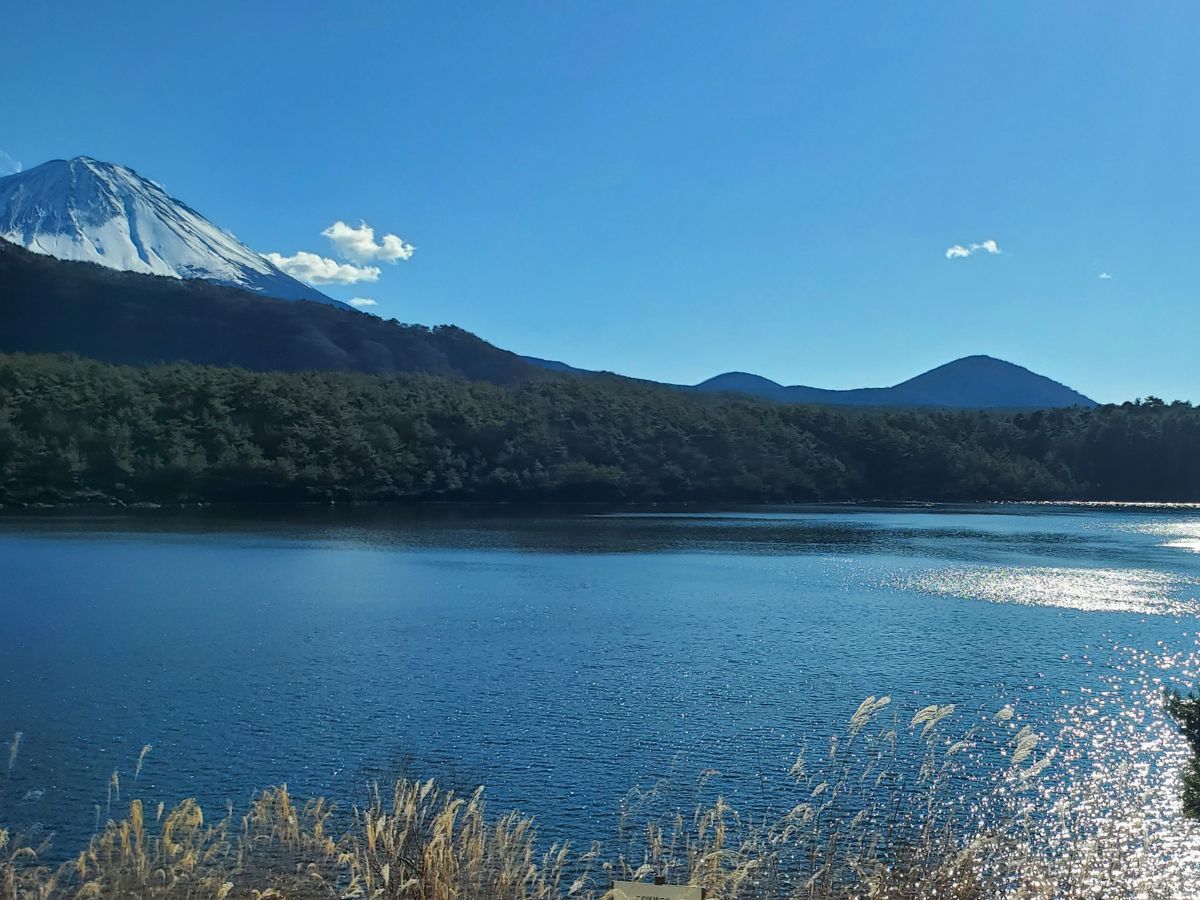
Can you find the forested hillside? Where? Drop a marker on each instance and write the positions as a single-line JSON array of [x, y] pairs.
[[48, 305], [78, 430]]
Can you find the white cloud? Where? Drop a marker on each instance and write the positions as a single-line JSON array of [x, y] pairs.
[[1105, 276], [360, 302], [355, 244], [958, 251], [359, 243], [320, 270], [8, 165]]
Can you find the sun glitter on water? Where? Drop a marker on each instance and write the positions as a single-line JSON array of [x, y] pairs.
[[1090, 590], [1110, 821]]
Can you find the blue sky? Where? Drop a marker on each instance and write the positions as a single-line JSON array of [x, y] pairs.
[[672, 190]]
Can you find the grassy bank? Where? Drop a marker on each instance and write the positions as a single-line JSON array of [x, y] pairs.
[[894, 807]]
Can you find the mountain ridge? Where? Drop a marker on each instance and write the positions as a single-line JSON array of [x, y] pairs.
[[52, 305], [87, 210], [970, 382], [978, 381], [48, 305]]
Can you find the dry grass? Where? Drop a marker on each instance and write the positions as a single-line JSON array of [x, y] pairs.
[[14, 748], [880, 813]]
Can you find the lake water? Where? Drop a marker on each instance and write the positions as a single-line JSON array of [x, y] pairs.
[[561, 657]]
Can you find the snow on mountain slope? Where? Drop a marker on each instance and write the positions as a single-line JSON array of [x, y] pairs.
[[84, 209]]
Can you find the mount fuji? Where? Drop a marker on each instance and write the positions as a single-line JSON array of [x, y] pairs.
[[91, 211]]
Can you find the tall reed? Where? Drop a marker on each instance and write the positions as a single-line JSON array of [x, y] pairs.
[[896, 806]]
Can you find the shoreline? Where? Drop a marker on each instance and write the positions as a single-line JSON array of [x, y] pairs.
[[529, 505]]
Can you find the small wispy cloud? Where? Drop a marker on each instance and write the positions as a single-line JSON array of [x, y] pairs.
[[360, 302], [962, 251], [1105, 276], [359, 244], [321, 270], [8, 165]]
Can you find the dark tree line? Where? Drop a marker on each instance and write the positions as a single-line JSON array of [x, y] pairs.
[[77, 430]]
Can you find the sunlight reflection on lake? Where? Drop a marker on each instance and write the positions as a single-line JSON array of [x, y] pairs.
[[1110, 823], [1181, 534], [1089, 590]]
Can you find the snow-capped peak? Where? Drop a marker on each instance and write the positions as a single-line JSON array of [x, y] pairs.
[[85, 209]]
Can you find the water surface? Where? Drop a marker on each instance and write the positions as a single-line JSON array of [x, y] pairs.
[[562, 656]]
